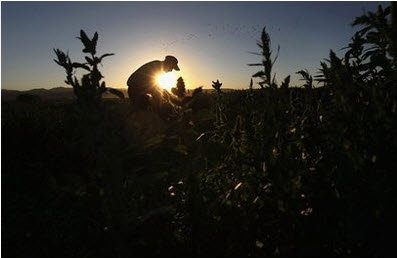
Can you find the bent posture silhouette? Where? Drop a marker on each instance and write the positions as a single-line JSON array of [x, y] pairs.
[[142, 84]]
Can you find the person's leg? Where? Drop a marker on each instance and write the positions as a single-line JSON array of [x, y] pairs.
[[137, 99]]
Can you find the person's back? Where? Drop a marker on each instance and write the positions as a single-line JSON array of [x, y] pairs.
[[143, 78], [142, 83]]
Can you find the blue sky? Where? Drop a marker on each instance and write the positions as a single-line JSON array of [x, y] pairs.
[[210, 39]]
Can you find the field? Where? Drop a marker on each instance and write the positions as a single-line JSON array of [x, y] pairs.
[[275, 171]]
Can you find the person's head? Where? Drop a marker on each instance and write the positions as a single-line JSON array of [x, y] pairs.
[[170, 63]]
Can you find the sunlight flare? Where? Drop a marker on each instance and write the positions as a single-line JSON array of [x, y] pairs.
[[166, 80]]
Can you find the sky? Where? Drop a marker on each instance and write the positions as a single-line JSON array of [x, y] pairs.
[[211, 40]]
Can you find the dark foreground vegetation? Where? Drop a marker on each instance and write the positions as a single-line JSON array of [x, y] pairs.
[[271, 172]]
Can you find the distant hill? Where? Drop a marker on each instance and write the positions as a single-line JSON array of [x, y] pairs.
[[54, 93], [64, 93]]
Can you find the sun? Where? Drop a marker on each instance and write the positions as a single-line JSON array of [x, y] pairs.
[[166, 80]]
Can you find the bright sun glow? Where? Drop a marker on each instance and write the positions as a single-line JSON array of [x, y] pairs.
[[166, 80]]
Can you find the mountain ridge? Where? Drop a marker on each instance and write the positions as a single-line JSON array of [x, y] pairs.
[[62, 93]]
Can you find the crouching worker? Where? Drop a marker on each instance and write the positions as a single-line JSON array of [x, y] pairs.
[[142, 85]]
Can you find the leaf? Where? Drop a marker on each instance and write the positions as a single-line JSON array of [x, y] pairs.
[[78, 65], [255, 53], [89, 45], [89, 60], [201, 136], [259, 74], [238, 186], [84, 39], [303, 73], [361, 20], [285, 83], [275, 59], [105, 55], [95, 39]]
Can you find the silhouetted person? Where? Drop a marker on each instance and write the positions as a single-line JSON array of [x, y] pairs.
[[142, 84]]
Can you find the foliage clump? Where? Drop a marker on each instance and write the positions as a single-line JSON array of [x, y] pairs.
[[265, 75], [180, 89], [267, 62], [307, 78], [217, 86], [90, 88]]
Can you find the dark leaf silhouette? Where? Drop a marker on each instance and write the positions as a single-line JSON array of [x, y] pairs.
[[90, 90], [197, 91], [259, 74], [307, 78], [78, 65], [217, 86], [89, 60], [285, 83], [267, 63], [257, 64], [89, 45], [105, 55]]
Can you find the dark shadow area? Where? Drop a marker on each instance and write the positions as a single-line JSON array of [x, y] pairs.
[[267, 172]]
